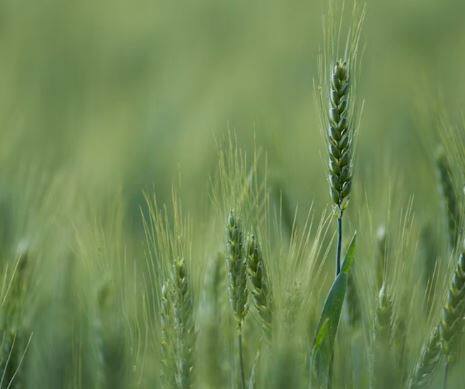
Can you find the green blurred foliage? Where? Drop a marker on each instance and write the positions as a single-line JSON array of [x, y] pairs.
[[133, 94]]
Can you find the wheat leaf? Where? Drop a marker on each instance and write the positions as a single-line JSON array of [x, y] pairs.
[[321, 355]]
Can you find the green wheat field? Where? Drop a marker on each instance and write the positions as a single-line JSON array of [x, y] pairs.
[[232, 194]]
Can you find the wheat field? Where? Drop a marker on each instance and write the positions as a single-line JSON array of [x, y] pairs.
[[232, 194]]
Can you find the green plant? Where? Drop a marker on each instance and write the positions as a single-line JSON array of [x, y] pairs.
[[89, 124], [449, 197], [340, 140], [177, 325], [237, 276], [453, 314], [14, 335], [428, 362], [322, 351], [259, 281]]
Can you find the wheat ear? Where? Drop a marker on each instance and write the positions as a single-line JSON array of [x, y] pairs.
[[166, 338], [453, 315], [384, 316], [177, 328], [449, 197], [259, 280], [429, 360], [237, 276], [183, 311], [340, 139], [454, 310]]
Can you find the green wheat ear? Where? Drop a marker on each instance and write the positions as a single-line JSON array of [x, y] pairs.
[[177, 329], [384, 316], [183, 312], [260, 284], [167, 337], [384, 366], [340, 135], [428, 362], [454, 311], [449, 197], [237, 268], [446, 336], [237, 275]]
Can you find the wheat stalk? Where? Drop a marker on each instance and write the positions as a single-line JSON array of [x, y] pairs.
[[237, 276], [340, 139]]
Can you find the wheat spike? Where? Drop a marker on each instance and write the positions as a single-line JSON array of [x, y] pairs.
[[183, 324], [237, 268], [429, 360], [259, 280], [166, 338], [449, 197], [454, 310], [384, 315], [177, 328], [340, 135]]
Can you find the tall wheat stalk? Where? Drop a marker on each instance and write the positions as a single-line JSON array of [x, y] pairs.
[[237, 276], [339, 108]]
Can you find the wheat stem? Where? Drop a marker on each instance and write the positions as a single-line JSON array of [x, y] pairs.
[[241, 358], [339, 243], [446, 376], [340, 138]]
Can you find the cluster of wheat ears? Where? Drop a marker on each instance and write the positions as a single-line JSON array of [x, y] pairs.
[[372, 351]]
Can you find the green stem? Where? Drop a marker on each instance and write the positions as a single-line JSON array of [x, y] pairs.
[[241, 359], [446, 374], [339, 242]]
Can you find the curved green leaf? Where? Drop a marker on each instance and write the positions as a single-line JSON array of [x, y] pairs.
[[322, 352], [350, 256]]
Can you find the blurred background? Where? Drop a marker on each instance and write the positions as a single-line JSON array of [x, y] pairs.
[[133, 95]]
